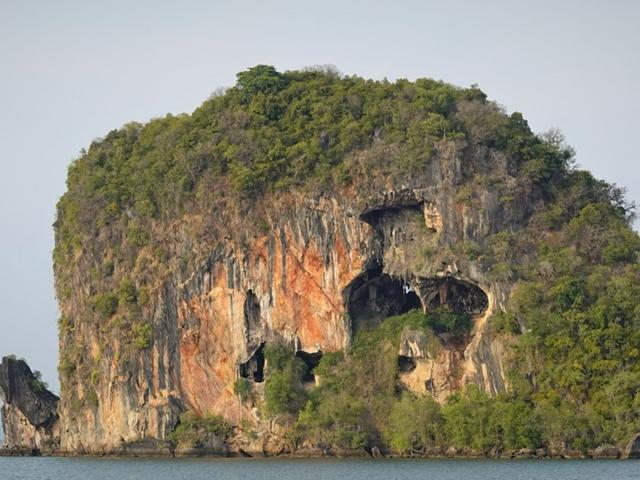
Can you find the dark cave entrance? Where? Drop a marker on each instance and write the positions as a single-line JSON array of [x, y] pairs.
[[457, 296], [373, 296], [311, 360], [253, 369], [406, 364]]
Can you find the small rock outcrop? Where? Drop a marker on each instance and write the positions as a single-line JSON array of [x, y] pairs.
[[29, 414], [210, 445], [632, 450], [606, 451]]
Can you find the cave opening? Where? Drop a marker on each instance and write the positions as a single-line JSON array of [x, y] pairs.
[[453, 305], [378, 217], [406, 364], [311, 360], [373, 296], [458, 296], [253, 369]]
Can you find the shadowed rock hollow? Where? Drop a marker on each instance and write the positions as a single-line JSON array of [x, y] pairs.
[[459, 296], [373, 296], [253, 369], [311, 360]]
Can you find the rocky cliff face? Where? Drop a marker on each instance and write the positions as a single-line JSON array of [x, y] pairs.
[[315, 270], [29, 414]]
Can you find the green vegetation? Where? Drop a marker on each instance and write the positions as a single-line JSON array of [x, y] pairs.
[[91, 397], [357, 403], [142, 335], [350, 408], [105, 304], [242, 388], [575, 375], [66, 367], [283, 391], [415, 424], [272, 131], [143, 297], [576, 360], [128, 294], [474, 420], [64, 324], [192, 430], [447, 321], [36, 383], [313, 129]]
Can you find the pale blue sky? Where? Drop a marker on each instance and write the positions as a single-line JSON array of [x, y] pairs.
[[70, 71]]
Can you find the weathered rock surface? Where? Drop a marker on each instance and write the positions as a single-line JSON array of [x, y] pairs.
[[212, 445], [29, 414], [606, 451], [632, 449]]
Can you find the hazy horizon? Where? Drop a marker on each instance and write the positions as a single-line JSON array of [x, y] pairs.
[[74, 71]]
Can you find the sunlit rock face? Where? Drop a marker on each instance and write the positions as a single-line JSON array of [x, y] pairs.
[[29, 414], [322, 266]]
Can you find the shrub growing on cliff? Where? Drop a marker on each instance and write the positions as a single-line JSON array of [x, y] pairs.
[[127, 292], [283, 392], [415, 423], [142, 335], [340, 422], [36, 383], [357, 391], [192, 429], [105, 304], [242, 388], [446, 321], [66, 366], [91, 398]]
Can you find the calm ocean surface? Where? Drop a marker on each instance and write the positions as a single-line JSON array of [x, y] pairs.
[[323, 469]]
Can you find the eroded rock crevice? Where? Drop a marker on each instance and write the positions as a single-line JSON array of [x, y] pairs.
[[252, 318], [253, 368], [406, 364]]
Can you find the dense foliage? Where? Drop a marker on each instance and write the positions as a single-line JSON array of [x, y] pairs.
[[576, 311], [573, 320], [272, 131], [358, 402], [283, 391], [575, 377], [574, 324], [193, 430], [358, 390]]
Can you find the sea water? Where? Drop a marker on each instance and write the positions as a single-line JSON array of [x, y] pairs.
[[41, 468]]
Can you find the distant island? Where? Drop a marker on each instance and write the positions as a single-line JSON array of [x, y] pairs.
[[315, 264]]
